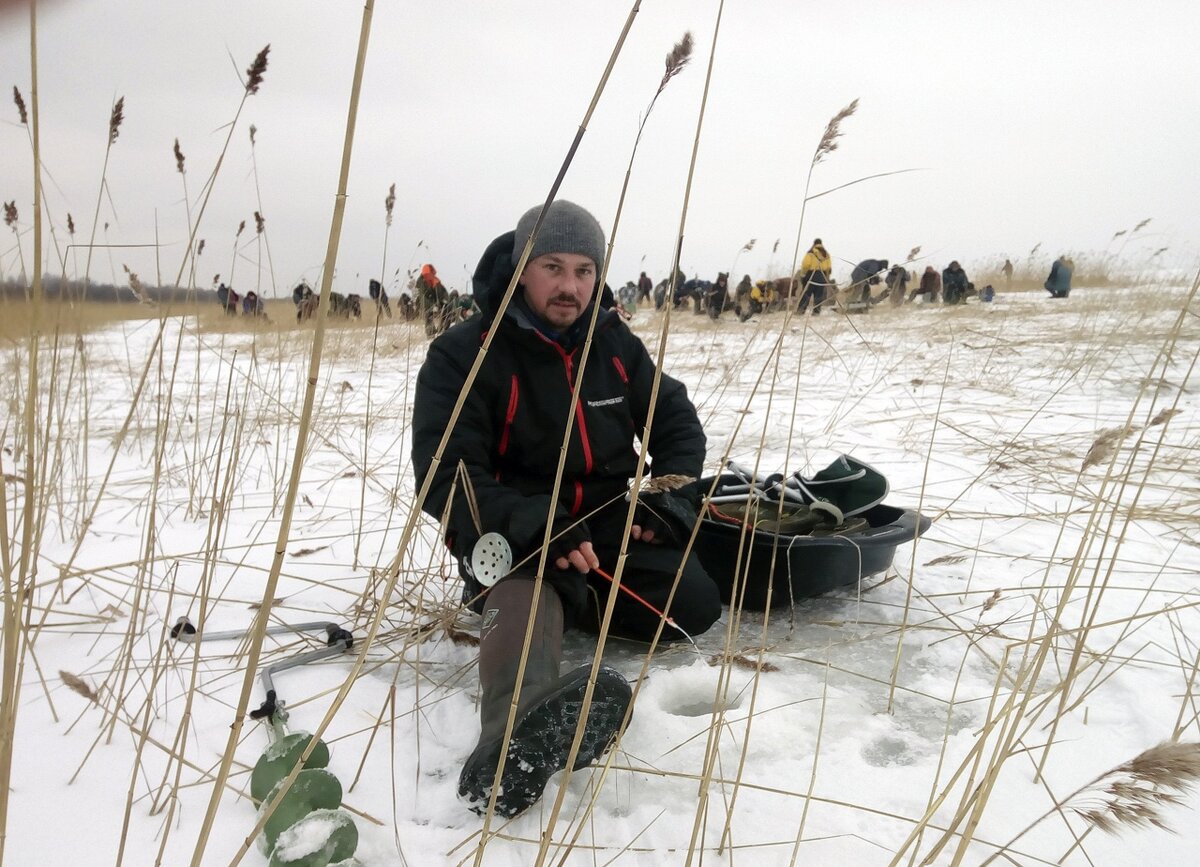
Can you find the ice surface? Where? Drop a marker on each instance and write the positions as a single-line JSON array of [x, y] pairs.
[[868, 704]]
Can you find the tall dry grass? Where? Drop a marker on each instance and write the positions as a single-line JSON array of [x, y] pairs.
[[1048, 661]]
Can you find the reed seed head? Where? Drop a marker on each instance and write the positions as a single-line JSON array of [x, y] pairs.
[[10, 214], [254, 75], [253, 133], [79, 686], [775, 246], [70, 224], [135, 284], [677, 59], [389, 203], [833, 131], [1106, 444], [913, 253], [115, 120], [20, 102], [749, 245], [200, 247], [1134, 794], [241, 228], [1119, 234], [259, 223], [1036, 247], [1143, 224], [179, 158]]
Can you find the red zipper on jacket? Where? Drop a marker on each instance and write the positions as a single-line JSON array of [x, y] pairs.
[[569, 368], [620, 369], [510, 414]]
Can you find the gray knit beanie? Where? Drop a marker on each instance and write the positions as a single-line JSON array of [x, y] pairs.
[[567, 228]]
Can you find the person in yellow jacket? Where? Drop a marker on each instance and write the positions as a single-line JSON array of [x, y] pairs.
[[815, 271], [817, 259], [759, 297]]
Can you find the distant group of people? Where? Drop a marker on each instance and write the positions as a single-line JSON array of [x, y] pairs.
[[813, 287], [439, 309], [340, 306], [234, 304]]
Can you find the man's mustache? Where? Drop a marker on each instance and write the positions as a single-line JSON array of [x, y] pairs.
[[565, 299]]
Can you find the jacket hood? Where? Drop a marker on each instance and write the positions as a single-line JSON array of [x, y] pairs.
[[495, 271]]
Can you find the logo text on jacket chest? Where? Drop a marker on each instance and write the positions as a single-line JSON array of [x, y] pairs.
[[606, 402]]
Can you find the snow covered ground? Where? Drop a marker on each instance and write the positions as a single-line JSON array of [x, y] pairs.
[[1049, 616]]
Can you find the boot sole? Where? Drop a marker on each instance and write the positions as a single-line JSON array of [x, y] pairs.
[[541, 743]]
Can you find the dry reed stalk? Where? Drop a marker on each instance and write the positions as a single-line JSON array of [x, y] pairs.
[[14, 601], [259, 66], [23, 114], [388, 204], [812, 779], [115, 119], [256, 73], [394, 568], [731, 630], [1091, 606], [262, 237], [217, 516], [257, 632], [937, 415], [158, 669], [393, 571], [677, 58], [118, 441], [142, 578], [233, 263], [1016, 709], [718, 723]]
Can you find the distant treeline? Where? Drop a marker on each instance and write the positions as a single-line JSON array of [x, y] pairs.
[[58, 289]]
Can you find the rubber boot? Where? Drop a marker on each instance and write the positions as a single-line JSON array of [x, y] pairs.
[[549, 707]]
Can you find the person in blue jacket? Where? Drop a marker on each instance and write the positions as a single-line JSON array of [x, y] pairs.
[[1058, 284]]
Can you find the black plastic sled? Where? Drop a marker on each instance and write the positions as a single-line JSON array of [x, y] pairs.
[[804, 565]]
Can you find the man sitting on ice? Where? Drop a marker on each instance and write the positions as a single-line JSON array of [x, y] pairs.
[[499, 465]]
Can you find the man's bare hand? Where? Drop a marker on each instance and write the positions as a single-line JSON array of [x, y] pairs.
[[641, 535], [582, 559]]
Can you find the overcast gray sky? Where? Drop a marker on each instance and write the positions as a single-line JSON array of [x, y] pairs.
[[1059, 123]]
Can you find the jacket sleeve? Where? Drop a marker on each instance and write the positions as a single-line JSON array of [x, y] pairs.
[[677, 442], [501, 509]]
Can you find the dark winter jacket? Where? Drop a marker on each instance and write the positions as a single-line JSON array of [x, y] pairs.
[[1059, 281], [867, 269], [954, 280], [430, 295], [897, 279], [510, 430]]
